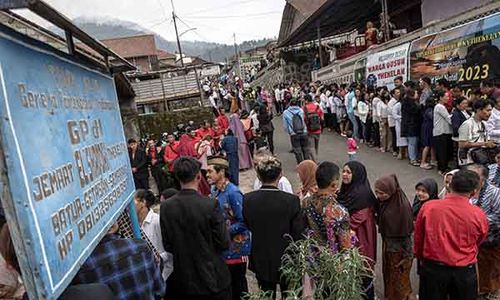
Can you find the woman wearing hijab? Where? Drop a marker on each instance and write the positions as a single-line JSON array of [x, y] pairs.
[[425, 190], [307, 175], [357, 197], [245, 159], [396, 228]]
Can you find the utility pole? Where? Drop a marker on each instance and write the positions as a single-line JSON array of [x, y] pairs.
[[177, 33], [236, 56], [318, 25], [385, 23]]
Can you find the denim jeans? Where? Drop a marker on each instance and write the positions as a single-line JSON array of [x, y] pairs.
[[413, 147], [352, 157], [354, 122]]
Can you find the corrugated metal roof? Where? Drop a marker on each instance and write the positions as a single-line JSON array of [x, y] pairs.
[[295, 13], [334, 17]]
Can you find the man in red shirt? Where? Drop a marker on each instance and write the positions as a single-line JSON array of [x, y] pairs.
[[314, 116], [171, 153], [447, 238], [205, 129], [222, 120]]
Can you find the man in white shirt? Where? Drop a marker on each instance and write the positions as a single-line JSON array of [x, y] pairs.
[[472, 133], [493, 123], [279, 95], [376, 117], [392, 124], [150, 225], [382, 113], [211, 99], [283, 184]]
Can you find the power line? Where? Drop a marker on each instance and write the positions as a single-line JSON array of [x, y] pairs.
[[218, 8], [195, 31], [238, 16], [162, 9], [161, 22], [218, 29]]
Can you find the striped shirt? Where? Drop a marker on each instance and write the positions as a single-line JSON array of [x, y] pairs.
[[489, 202], [494, 174]]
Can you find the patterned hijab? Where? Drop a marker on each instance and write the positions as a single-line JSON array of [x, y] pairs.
[[358, 194], [395, 215]]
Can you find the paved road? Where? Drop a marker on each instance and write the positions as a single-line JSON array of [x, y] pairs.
[[333, 148]]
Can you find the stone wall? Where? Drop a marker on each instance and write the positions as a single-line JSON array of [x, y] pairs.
[[167, 121]]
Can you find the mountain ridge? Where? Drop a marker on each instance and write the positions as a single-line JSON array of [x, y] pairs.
[[109, 28]]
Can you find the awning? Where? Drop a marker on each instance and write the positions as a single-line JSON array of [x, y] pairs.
[[335, 17]]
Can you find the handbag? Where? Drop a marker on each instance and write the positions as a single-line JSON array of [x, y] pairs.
[[484, 156]]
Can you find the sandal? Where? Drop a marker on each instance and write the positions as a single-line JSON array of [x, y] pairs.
[[426, 167]]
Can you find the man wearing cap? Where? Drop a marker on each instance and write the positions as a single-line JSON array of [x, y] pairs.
[[230, 201]]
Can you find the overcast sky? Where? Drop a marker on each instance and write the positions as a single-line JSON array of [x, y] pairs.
[[215, 20]]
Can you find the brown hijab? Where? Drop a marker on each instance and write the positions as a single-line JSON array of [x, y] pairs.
[[307, 174], [395, 217]]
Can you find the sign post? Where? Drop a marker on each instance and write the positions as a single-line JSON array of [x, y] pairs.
[[66, 173], [384, 66]]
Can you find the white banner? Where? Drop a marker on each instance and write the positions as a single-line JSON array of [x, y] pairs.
[[382, 67]]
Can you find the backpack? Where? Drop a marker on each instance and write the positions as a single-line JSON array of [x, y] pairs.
[[297, 124], [313, 120]]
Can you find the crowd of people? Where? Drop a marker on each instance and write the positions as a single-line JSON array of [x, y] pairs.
[[431, 127], [201, 232], [436, 127]]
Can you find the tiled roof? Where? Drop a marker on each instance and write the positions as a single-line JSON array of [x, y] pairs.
[[133, 46], [164, 54]]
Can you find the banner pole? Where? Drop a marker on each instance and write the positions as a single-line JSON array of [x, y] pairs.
[[136, 228]]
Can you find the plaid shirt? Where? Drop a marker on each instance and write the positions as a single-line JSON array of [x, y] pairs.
[[127, 266]]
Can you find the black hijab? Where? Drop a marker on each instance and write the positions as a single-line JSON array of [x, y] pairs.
[[432, 189], [358, 194]]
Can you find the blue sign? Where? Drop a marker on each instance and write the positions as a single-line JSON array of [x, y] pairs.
[[67, 161]]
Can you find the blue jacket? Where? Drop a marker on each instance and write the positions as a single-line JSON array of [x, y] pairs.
[[288, 117], [231, 204]]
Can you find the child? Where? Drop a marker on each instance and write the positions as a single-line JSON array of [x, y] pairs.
[[204, 150], [352, 146], [425, 190]]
